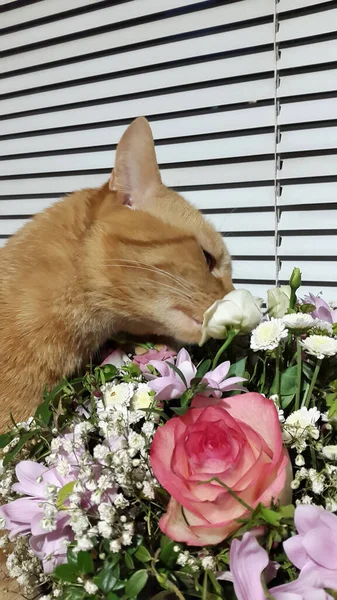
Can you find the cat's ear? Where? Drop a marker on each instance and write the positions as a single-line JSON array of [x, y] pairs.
[[136, 173]]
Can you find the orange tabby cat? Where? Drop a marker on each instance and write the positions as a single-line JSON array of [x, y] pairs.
[[90, 266]]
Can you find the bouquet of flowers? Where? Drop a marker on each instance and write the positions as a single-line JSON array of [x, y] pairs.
[[204, 474]]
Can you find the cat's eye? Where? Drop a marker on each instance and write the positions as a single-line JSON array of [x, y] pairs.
[[210, 260]]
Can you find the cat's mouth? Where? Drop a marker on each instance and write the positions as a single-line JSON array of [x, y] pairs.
[[186, 319]]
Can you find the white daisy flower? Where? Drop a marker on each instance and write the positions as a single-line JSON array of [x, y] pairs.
[[320, 346], [298, 321], [268, 335]]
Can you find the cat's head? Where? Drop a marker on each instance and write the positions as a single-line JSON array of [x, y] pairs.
[[158, 261]]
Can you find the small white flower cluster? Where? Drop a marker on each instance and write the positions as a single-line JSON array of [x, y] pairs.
[[114, 471], [300, 428], [323, 484], [23, 566], [7, 478]]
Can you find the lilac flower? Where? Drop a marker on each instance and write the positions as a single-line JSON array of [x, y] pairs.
[[315, 546], [323, 311], [170, 385], [24, 515], [249, 561]]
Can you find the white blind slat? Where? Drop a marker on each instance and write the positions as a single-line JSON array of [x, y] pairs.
[[300, 112], [308, 83], [184, 152], [254, 269], [318, 219], [152, 105], [308, 139], [179, 127], [307, 25], [293, 4], [308, 166], [201, 175], [313, 270], [254, 246], [308, 54], [318, 245], [209, 17], [146, 57], [232, 197], [308, 193], [243, 221], [190, 74]]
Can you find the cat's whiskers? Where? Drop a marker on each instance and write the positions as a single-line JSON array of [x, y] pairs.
[[188, 287], [183, 294]]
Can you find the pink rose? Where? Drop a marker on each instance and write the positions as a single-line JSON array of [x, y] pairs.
[[239, 442]]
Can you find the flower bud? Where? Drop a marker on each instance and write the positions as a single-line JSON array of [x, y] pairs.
[[295, 279]]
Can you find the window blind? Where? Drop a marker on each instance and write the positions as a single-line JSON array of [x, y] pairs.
[[241, 98]]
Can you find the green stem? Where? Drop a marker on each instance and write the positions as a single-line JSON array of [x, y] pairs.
[[299, 372], [293, 299], [204, 587], [231, 335], [278, 376], [307, 399]]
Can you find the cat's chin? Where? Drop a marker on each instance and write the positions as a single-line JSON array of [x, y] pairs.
[[185, 327]]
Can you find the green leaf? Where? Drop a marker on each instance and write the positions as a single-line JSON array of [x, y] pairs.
[[136, 583], [64, 493], [71, 556], [306, 308], [164, 541], [43, 413], [5, 438], [143, 554], [85, 562], [287, 512], [106, 579], [288, 381], [286, 400], [203, 368], [238, 369], [112, 596], [168, 556], [182, 410], [67, 573], [23, 440], [129, 562], [333, 409], [73, 593], [270, 516]]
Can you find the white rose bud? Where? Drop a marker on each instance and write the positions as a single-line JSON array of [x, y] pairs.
[[238, 309], [330, 452], [278, 300]]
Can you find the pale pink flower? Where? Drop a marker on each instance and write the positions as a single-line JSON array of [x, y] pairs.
[[323, 311], [142, 360], [117, 358], [315, 546], [249, 561], [24, 515], [171, 385]]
